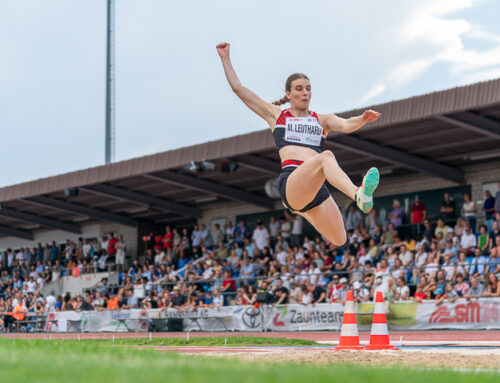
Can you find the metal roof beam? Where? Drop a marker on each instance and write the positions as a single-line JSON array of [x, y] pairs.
[[99, 214], [396, 156], [143, 199], [474, 122], [39, 220], [11, 232], [210, 187], [258, 163]]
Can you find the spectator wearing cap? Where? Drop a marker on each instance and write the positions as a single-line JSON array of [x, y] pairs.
[[418, 215], [489, 210], [448, 207], [360, 292]]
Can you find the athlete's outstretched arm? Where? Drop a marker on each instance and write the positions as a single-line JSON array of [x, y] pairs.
[[333, 123], [266, 110]]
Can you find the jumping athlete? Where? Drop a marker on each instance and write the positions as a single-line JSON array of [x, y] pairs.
[[299, 135]]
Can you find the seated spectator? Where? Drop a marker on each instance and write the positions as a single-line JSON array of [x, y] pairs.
[[402, 290], [419, 295], [492, 286], [492, 263], [360, 292], [461, 287], [449, 294], [483, 240], [441, 228], [476, 289], [468, 241], [463, 265]]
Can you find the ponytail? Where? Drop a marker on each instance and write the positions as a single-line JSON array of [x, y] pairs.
[[281, 101], [288, 86]]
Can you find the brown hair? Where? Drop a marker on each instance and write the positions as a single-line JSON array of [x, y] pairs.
[[288, 86]]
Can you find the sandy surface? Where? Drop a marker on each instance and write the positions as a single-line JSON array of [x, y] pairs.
[[484, 359]]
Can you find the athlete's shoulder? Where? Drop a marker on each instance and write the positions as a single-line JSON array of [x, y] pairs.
[[283, 115]]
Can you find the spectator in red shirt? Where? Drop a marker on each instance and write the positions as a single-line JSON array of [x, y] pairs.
[[228, 284], [168, 238], [418, 215], [158, 242], [112, 241]]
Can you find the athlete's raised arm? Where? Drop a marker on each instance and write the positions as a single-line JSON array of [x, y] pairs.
[[333, 123], [266, 110]]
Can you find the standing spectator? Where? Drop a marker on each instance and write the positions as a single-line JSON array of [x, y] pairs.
[[497, 200], [112, 246], [286, 229], [217, 234], [196, 237], [371, 222], [448, 209], [168, 238], [229, 229], [396, 215], [121, 248], [206, 237], [418, 215], [489, 210], [260, 236], [242, 229], [353, 218], [469, 211], [274, 230]]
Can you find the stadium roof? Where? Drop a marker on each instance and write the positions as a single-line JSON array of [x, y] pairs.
[[438, 133]]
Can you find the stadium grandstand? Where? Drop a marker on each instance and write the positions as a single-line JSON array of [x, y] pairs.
[[203, 226]]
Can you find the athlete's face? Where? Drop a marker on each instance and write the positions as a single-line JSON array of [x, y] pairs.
[[300, 93]]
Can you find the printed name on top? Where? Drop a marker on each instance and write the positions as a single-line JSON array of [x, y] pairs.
[[303, 130]]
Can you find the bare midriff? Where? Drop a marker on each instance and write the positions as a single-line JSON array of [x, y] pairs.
[[293, 152]]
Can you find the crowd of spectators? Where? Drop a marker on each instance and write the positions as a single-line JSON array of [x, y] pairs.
[[25, 271], [274, 263]]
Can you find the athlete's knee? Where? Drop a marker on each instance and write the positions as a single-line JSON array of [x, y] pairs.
[[326, 156], [340, 239]]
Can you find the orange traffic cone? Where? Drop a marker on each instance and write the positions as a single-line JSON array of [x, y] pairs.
[[379, 336], [349, 339]]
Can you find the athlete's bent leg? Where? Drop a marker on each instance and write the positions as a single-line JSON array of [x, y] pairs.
[[327, 220], [304, 183]]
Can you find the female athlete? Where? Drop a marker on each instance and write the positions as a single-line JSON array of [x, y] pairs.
[[299, 135]]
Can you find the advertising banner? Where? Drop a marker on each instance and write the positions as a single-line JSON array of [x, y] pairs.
[[462, 314]]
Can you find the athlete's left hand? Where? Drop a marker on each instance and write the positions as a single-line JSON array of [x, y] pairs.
[[370, 116]]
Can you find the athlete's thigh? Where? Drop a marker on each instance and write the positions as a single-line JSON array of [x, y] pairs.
[[304, 183], [327, 220]]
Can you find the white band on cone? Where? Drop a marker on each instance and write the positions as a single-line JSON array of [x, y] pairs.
[[379, 329], [349, 330], [379, 308]]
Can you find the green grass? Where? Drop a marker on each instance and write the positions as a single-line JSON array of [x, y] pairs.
[[73, 361], [206, 341]]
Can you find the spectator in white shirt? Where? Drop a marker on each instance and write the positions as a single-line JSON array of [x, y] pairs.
[[196, 236], [274, 229], [468, 241], [218, 298], [402, 291], [260, 235], [286, 228]]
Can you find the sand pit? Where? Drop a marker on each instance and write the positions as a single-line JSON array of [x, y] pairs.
[[434, 358]]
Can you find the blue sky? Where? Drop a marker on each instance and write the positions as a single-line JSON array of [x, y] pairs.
[[171, 90]]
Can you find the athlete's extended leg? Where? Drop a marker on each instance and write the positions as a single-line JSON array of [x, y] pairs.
[[305, 181], [327, 220]]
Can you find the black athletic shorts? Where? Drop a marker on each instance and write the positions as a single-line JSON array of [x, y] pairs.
[[320, 197]]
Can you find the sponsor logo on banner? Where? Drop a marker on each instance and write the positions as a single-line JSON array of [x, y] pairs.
[[466, 313], [252, 317]]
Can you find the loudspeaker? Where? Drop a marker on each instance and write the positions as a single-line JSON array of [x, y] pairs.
[[175, 324]]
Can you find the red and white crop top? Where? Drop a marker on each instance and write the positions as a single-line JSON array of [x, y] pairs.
[[299, 131]]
